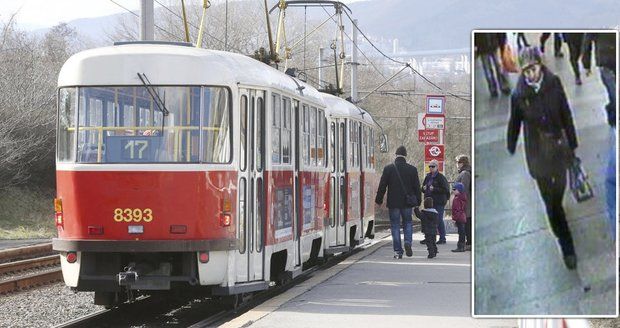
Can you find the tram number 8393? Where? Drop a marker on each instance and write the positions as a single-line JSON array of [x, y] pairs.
[[133, 214]]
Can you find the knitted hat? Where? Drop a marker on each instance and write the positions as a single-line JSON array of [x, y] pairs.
[[529, 56], [459, 186], [401, 151], [434, 162], [462, 159]]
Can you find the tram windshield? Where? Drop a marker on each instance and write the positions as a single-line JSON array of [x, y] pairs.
[[124, 125]]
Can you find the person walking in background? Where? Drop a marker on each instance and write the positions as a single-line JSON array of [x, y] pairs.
[[557, 43], [606, 61], [487, 46], [575, 47], [428, 217], [539, 104], [402, 183], [521, 41], [464, 177], [436, 186], [459, 205]]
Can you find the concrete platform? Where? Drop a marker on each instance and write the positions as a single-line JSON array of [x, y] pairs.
[[371, 289], [518, 266]]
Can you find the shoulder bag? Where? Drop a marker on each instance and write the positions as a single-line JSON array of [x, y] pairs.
[[411, 200]]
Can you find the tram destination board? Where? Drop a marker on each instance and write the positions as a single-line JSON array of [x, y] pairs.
[[132, 149]]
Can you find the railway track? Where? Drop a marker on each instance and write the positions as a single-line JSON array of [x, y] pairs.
[[196, 311], [26, 259]]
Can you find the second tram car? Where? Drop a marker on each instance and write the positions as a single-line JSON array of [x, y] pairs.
[[179, 166]]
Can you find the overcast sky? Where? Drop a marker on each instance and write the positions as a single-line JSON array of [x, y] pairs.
[[32, 14]]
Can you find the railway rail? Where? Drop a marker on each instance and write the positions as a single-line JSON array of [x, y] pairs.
[[25, 259], [207, 312]]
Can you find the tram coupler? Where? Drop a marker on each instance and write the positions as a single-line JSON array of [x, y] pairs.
[[127, 277]]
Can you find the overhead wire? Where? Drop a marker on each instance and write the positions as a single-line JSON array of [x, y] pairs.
[[404, 63], [157, 26], [196, 27], [356, 46]]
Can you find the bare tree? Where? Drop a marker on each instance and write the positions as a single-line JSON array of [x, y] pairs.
[[29, 69]]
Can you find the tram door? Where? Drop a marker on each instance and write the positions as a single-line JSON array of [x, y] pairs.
[[251, 220], [338, 187], [362, 161], [296, 185]]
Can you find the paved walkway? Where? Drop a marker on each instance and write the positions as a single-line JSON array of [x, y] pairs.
[[518, 267], [371, 289]]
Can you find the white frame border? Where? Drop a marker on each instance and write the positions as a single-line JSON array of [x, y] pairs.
[[473, 152]]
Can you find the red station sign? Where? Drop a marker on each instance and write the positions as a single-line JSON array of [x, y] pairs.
[[434, 152]]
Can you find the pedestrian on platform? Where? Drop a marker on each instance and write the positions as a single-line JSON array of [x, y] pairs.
[[428, 217], [464, 177], [436, 186], [487, 47], [575, 48], [521, 41], [606, 60], [402, 183], [459, 206], [557, 43], [539, 104]]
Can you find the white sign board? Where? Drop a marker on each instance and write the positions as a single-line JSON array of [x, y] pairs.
[[435, 104], [434, 122], [421, 121]]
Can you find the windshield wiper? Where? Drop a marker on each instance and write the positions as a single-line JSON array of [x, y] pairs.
[[151, 90]]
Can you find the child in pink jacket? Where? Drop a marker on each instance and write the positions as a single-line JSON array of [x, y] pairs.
[[459, 205]]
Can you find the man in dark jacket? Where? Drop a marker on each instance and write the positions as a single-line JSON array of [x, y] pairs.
[[396, 177], [436, 186], [540, 105], [464, 177]]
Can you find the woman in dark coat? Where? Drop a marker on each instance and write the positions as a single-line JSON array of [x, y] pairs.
[[436, 186], [540, 105]]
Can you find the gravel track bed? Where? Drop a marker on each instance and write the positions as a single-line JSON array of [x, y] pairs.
[[22, 273], [605, 323], [44, 306]]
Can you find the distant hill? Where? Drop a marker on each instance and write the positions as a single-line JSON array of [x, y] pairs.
[[440, 24], [447, 24]]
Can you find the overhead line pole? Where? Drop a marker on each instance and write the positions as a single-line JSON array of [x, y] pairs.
[[354, 62], [147, 20]]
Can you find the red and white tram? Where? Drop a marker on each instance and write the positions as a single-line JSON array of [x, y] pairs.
[[179, 166]]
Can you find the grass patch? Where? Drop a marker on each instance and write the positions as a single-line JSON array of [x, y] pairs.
[[26, 213]]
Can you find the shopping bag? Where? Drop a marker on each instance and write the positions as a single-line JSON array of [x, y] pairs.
[[578, 181], [509, 62]]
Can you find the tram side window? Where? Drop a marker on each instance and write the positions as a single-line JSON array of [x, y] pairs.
[[332, 147], [260, 144], [243, 132], [306, 134], [364, 147], [286, 130], [275, 129], [342, 143], [353, 144], [313, 135], [66, 125], [321, 139]]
